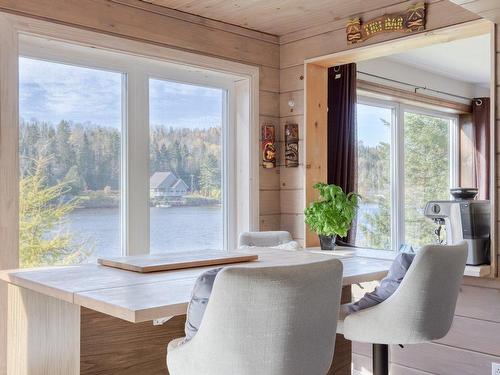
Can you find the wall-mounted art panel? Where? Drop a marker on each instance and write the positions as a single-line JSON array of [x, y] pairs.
[[268, 145], [291, 145]]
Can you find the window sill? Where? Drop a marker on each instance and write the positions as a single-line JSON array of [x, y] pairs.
[[482, 271], [478, 271]]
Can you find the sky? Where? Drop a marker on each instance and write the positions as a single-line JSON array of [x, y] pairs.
[[52, 92], [371, 130]]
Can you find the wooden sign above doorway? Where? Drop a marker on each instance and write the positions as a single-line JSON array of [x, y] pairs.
[[409, 21]]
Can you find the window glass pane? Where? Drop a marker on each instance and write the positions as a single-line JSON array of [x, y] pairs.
[[185, 167], [70, 140], [373, 227], [427, 172]]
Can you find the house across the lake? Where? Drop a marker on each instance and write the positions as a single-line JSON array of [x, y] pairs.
[[166, 185]]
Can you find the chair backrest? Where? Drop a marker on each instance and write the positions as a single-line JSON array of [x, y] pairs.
[[264, 239], [423, 306], [272, 320]]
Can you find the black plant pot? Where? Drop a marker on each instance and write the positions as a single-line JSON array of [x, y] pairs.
[[327, 242]]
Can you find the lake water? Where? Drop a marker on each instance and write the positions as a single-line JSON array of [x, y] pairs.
[[172, 229]]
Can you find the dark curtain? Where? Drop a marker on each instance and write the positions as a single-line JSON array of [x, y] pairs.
[[342, 130], [481, 128]]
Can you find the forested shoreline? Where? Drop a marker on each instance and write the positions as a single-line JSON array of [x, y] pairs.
[[87, 159]]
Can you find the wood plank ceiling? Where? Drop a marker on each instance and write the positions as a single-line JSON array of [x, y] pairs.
[[489, 9], [277, 17]]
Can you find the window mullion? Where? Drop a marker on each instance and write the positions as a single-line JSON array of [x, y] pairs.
[[398, 179], [454, 153], [136, 175]]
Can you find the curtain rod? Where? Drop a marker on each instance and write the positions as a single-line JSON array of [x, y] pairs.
[[415, 87]]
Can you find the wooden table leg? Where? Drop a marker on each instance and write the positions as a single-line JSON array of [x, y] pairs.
[[342, 357], [43, 334]]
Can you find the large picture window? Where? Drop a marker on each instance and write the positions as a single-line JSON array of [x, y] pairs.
[[186, 184], [121, 154], [70, 162], [406, 156]]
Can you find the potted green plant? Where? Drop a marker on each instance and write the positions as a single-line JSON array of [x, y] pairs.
[[332, 214]]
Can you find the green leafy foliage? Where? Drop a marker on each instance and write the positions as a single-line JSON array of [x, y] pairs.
[[426, 177], [334, 211]]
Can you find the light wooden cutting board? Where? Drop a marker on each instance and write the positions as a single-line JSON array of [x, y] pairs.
[[174, 261]]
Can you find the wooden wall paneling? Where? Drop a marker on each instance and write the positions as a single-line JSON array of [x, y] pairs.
[[149, 6], [298, 99], [362, 365], [292, 201], [435, 358], [270, 202], [293, 223], [475, 335], [9, 172], [439, 14], [315, 136], [131, 22], [293, 178], [269, 179], [113, 346], [45, 329], [479, 303], [497, 157], [442, 359], [494, 98], [292, 79], [269, 104], [497, 104], [269, 79], [481, 282], [270, 222]]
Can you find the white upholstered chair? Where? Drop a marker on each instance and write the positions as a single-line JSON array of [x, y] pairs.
[[265, 320], [264, 239], [420, 310]]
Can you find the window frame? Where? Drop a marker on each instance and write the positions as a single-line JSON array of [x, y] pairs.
[[136, 72], [397, 188]]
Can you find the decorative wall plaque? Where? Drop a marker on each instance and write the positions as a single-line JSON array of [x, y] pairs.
[[268, 146], [291, 145], [411, 20]]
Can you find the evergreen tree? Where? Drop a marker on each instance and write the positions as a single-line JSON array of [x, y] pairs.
[[210, 177], [426, 178], [86, 162], [41, 211], [65, 151]]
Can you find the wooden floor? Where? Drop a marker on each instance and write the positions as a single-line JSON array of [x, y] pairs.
[[114, 346]]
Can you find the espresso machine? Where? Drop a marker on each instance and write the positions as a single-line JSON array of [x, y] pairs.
[[464, 219]]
